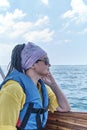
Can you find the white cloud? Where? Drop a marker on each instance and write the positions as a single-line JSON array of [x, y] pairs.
[[33, 31], [8, 21], [44, 35], [78, 13], [13, 27], [45, 2], [67, 40], [4, 3], [18, 14], [41, 21]]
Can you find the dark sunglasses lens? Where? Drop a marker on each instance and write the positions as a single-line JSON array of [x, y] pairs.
[[46, 61]]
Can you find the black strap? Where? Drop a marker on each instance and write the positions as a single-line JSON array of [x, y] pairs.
[[38, 121], [38, 118], [19, 128], [30, 110], [40, 110], [27, 115]]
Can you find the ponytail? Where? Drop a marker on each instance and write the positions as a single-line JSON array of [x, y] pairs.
[[16, 58]]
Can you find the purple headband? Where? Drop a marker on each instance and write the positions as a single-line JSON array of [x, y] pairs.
[[30, 54]]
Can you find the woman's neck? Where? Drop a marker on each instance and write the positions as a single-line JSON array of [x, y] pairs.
[[32, 74]]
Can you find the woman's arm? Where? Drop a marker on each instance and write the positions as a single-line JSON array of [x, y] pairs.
[[12, 99], [61, 98]]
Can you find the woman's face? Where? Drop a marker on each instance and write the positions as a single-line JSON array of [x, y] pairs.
[[42, 66]]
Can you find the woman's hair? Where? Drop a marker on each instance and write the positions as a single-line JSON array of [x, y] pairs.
[[16, 58]]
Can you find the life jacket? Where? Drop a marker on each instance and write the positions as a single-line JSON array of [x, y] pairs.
[[34, 114]]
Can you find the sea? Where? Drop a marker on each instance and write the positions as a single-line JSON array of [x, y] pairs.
[[72, 79]]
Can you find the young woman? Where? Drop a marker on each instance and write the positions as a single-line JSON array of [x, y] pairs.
[[29, 90]]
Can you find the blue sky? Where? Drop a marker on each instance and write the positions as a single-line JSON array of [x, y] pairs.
[[58, 26]]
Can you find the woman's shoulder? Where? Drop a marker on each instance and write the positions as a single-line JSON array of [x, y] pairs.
[[14, 90], [11, 84], [13, 87]]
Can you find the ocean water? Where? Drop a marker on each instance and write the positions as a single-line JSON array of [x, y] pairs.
[[72, 79]]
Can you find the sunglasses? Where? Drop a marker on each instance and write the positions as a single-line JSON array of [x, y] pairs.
[[45, 60]]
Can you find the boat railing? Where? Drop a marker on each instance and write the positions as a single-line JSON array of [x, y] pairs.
[[67, 121], [2, 73]]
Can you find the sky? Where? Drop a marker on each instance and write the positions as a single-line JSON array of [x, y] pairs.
[[58, 26]]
